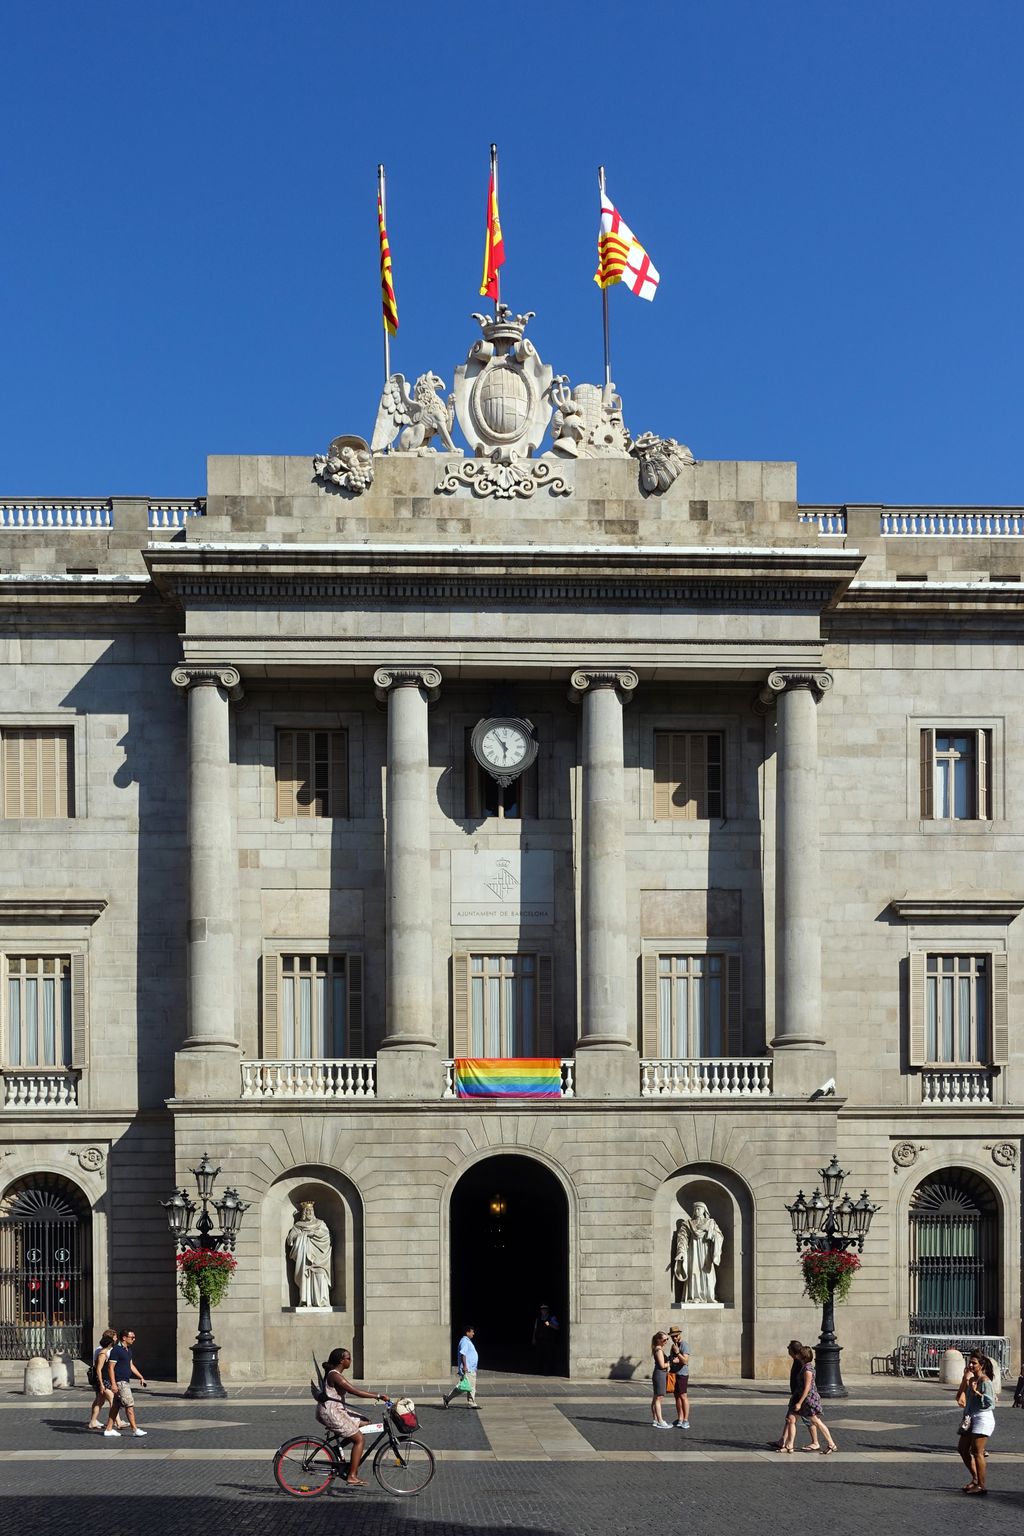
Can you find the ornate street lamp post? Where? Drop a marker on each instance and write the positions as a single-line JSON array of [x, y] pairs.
[[180, 1210], [830, 1225]]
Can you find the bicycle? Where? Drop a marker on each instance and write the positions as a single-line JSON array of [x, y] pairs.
[[306, 1466]]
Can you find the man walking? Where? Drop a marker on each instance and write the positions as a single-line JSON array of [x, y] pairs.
[[468, 1361], [120, 1370]]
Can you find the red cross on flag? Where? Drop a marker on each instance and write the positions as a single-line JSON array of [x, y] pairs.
[[621, 258]]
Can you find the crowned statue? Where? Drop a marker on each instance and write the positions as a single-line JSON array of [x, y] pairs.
[[308, 1245]]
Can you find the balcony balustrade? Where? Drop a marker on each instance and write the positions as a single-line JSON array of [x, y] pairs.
[[341, 1078], [52, 1088], [723, 1077], [951, 1085]]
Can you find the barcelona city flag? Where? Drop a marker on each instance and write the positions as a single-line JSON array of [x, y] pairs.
[[494, 244], [620, 256], [387, 288]]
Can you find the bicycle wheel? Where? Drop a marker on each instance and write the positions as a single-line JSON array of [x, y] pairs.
[[304, 1467], [406, 1466]]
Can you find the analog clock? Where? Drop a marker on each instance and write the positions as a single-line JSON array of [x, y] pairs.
[[504, 747]]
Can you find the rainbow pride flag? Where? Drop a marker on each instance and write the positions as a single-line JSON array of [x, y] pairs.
[[508, 1077]]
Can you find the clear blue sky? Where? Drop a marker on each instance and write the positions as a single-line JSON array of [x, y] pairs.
[[832, 193]]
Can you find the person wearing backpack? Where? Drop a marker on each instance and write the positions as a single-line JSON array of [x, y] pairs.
[[334, 1413], [104, 1396]]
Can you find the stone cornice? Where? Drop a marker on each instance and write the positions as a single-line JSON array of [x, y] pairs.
[[44, 908], [965, 909]]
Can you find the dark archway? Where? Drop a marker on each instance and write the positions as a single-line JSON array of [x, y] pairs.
[[45, 1269], [954, 1255], [510, 1253]]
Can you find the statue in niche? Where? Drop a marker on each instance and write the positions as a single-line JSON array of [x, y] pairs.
[[696, 1254], [308, 1245]]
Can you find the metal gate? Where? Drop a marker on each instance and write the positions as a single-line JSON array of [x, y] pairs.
[[44, 1279], [953, 1268]]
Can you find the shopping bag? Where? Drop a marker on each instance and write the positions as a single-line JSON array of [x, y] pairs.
[[463, 1384]]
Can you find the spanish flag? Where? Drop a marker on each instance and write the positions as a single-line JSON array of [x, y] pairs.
[[494, 244], [387, 290]]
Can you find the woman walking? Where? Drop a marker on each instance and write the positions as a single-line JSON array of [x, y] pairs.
[[659, 1379], [104, 1394], [977, 1398]]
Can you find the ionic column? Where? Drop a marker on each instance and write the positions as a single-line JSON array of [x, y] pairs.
[[212, 861], [409, 1020], [604, 968], [795, 695]]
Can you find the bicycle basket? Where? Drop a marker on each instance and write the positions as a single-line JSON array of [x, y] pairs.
[[404, 1415]]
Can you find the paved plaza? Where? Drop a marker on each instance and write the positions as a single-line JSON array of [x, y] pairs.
[[539, 1457]]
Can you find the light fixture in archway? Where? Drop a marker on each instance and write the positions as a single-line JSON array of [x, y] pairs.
[[498, 1206]]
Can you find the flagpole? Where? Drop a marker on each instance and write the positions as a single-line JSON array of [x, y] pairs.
[[604, 302], [384, 214], [494, 176]]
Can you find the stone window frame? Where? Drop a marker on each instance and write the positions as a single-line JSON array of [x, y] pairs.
[[696, 722], [999, 993], [338, 787], [461, 971], [48, 720], [349, 721], [918, 756], [731, 949], [273, 952]]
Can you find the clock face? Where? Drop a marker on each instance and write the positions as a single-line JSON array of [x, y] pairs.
[[504, 746]]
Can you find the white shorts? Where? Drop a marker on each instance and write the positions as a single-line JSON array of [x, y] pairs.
[[983, 1423]]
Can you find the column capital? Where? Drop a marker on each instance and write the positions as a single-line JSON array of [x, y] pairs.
[[589, 679], [427, 678], [817, 683], [226, 677]]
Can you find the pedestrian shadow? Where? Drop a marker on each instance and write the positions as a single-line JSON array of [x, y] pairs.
[[71, 1427]]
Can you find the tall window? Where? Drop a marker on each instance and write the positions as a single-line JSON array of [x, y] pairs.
[[503, 1002], [314, 1006], [689, 783], [502, 1005], [956, 775], [957, 994], [37, 772], [691, 1005], [954, 1255], [311, 773], [508, 802], [38, 1011]]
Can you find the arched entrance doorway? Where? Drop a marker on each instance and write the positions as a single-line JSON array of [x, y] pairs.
[[510, 1253], [954, 1255], [45, 1269]]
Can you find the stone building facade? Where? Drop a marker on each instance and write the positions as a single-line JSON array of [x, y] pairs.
[[758, 893]]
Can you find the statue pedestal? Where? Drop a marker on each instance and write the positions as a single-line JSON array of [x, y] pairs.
[[311, 1311], [697, 1306]]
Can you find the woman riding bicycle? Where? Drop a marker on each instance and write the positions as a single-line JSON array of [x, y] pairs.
[[334, 1413]]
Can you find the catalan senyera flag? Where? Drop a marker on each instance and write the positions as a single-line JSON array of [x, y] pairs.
[[514, 1077], [387, 290], [494, 244], [621, 258]]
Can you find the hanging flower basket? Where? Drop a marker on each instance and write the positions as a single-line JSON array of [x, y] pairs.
[[205, 1272], [825, 1268]]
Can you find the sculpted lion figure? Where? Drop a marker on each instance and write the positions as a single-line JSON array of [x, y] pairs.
[[419, 416]]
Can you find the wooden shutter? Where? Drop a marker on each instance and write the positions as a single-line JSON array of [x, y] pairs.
[[271, 1007], [1000, 1010], [916, 1008], [474, 799], [79, 1013], [354, 983], [649, 1032], [697, 775], [545, 1006], [927, 775], [984, 786], [662, 775], [12, 773], [460, 1005], [285, 774], [47, 749], [337, 804], [733, 1033]]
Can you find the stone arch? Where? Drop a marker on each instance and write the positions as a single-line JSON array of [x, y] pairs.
[[291, 1332], [726, 1328], [46, 1267]]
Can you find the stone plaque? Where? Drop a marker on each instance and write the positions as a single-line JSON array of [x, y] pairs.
[[493, 887]]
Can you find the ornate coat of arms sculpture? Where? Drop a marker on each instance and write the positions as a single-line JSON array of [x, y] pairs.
[[501, 390]]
